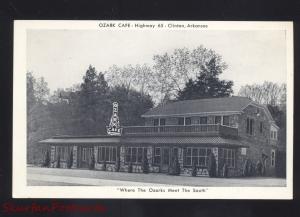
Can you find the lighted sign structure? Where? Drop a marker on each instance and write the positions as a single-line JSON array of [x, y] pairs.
[[114, 128]]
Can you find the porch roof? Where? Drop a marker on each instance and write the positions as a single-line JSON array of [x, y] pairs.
[[181, 140], [150, 140]]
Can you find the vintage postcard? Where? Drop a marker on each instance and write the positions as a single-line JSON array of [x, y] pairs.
[[153, 109]]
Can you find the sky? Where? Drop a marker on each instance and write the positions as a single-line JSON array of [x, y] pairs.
[[63, 56]]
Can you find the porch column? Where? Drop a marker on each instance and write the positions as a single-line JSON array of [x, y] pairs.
[[215, 151], [52, 155], [74, 156]]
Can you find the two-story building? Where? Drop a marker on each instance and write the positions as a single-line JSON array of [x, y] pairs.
[[233, 129]]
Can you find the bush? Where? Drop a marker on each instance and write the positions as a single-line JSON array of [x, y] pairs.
[[212, 165], [225, 171], [175, 167], [117, 165], [145, 165], [104, 165], [47, 159], [70, 159], [92, 162], [130, 167], [194, 170], [58, 161]]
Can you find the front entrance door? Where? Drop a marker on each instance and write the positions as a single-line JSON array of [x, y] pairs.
[[165, 159]]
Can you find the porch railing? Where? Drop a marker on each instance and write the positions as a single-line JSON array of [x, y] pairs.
[[206, 129]]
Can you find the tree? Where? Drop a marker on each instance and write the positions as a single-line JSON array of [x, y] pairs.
[[132, 104], [92, 105], [173, 71], [207, 85], [268, 93], [40, 125]]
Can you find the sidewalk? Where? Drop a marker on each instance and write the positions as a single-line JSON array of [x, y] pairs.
[[54, 176]]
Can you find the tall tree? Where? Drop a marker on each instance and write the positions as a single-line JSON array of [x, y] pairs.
[[92, 103], [132, 104], [207, 84], [267, 93], [173, 71]]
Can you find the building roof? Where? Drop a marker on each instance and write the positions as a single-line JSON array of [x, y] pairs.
[[234, 104], [81, 140], [142, 140], [181, 140]]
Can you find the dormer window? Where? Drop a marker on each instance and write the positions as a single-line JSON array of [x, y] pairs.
[[203, 120], [218, 119], [181, 121], [273, 134], [162, 121]]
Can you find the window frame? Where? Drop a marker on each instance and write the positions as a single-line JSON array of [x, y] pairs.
[[102, 154], [193, 154], [228, 156], [190, 121], [223, 117], [128, 149], [273, 158], [157, 156]]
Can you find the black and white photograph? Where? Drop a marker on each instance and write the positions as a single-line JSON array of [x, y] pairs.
[[153, 109]]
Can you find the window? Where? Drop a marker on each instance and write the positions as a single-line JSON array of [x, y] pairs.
[[157, 154], [261, 127], [155, 122], [162, 122], [188, 121], [226, 120], [196, 156], [180, 121], [135, 154], [62, 152], [107, 154], [227, 156], [218, 119], [273, 134], [250, 124], [243, 151], [203, 120], [272, 158]]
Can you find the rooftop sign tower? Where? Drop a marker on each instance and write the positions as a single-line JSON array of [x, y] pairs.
[[114, 128]]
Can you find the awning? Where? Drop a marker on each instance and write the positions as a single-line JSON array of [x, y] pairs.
[[148, 140], [213, 141]]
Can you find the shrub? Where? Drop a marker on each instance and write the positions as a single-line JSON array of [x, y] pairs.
[[145, 165], [225, 171], [104, 165], [117, 165], [212, 165], [70, 159], [175, 167], [194, 170], [47, 159], [130, 167], [58, 161], [92, 162]]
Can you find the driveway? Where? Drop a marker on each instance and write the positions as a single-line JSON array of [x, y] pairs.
[[60, 177]]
